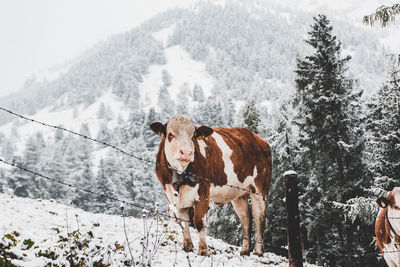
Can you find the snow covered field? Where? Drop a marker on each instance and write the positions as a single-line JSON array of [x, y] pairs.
[[36, 232]]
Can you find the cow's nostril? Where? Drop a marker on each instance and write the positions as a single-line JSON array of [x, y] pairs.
[[186, 152]]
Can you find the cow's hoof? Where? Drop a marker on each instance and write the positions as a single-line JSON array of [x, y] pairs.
[[204, 252], [258, 252], [245, 252], [188, 246]]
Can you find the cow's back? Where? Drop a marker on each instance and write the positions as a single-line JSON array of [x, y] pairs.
[[235, 155]]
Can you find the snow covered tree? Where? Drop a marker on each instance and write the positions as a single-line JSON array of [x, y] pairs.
[[384, 136], [151, 139], [383, 14], [165, 102], [103, 185], [59, 134], [209, 113], [282, 141], [198, 93], [83, 174], [135, 123], [331, 139], [23, 183], [228, 112], [101, 113], [104, 133], [52, 164], [166, 78], [182, 101], [251, 116]]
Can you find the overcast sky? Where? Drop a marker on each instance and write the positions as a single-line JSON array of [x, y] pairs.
[[38, 34]]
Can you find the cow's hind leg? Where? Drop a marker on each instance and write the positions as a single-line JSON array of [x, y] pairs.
[[187, 239], [259, 212], [241, 206]]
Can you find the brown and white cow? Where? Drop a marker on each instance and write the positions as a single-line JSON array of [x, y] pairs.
[[387, 227], [199, 164]]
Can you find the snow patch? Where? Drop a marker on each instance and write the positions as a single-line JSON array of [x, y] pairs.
[[39, 220], [290, 172], [164, 34], [182, 69]]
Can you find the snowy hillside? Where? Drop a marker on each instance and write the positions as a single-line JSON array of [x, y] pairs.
[[30, 228], [235, 63]]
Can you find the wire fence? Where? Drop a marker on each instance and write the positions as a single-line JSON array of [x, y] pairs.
[[72, 186], [137, 206], [121, 150]]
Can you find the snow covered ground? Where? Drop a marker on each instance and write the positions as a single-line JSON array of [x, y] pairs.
[[36, 232]]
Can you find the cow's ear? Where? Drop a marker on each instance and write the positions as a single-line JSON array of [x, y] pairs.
[[203, 131], [158, 128], [382, 202]]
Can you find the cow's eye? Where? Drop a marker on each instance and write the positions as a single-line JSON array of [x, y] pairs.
[[396, 207], [170, 136]]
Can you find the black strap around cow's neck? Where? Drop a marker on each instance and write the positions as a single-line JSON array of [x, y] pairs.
[[396, 236], [184, 178]]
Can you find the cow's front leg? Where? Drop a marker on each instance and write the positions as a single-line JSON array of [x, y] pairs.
[[187, 239], [199, 218]]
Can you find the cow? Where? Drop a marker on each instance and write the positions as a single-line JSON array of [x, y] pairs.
[[196, 165], [387, 227]]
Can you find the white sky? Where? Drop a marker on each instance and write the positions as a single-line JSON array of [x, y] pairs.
[[38, 34]]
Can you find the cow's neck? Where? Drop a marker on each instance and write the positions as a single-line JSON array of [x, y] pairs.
[[183, 178], [394, 225]]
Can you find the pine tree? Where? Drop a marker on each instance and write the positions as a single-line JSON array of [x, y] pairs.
[[83, 174], [228, 112], [384, 136], [282, 141], [209, 113], [166, 78], [23, 183], [103, 185], [165, 103], [251, 116], [198, 93], [331, 139]]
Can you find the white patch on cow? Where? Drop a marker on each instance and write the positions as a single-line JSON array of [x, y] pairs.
[[391, 257], [172, 194], [225, 194], [393, 212], [188, 195], [202, 146]]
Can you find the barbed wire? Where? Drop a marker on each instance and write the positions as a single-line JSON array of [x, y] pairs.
[[78, 134], [87, 190], [146, 208], [98, 194], [120, 150], [141, 159]]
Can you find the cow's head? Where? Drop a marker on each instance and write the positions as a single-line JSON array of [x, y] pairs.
[[180, 133], [391, 201]]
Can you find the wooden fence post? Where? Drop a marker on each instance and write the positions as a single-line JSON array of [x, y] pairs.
[[293, 219]]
